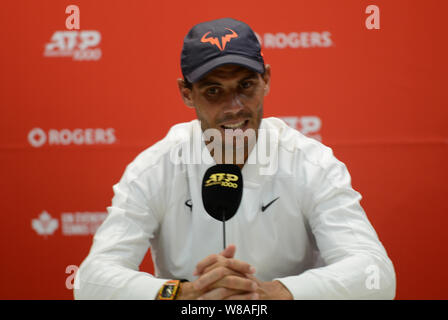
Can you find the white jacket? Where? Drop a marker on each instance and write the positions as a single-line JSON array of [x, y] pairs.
[[315, 238]]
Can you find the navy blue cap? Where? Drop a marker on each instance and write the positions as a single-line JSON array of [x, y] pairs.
[[211, 44]]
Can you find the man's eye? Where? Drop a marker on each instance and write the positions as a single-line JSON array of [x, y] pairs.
[[212, 91], [246, 84]]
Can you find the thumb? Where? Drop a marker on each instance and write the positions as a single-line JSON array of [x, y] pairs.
[[229, 252]]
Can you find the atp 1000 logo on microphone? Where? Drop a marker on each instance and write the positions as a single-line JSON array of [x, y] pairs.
[[38, 137], [223, 179]]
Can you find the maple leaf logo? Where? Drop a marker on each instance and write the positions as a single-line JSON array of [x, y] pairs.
[[45, 224]]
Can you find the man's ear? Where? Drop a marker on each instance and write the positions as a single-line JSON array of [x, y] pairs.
[[185, 93], [267, 79]]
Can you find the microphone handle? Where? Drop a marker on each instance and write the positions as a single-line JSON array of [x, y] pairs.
[[224, 228]]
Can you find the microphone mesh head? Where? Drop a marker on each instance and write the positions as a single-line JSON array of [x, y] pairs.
[[222, 190]]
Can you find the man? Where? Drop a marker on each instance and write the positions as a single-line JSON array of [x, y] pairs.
[[299, 233]]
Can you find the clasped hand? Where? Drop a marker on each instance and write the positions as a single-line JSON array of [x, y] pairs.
[[221, 277]]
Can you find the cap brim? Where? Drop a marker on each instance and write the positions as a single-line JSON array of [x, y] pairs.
[[227, 59]]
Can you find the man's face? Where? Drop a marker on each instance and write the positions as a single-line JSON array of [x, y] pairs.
[[229, 98]]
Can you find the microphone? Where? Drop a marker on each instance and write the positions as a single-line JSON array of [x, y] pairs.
[[222, 190]]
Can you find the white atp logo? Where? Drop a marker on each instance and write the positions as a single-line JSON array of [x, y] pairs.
[[307, 125], [373, 20], [69, 40], [80, 45], [373, 278]]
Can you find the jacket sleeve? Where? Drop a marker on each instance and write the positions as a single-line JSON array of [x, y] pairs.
[[356, 265], [111, 269]]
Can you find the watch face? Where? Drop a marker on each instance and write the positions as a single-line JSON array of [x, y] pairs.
[[167, 291]]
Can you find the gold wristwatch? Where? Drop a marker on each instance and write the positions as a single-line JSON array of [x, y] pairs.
[[169, 290]]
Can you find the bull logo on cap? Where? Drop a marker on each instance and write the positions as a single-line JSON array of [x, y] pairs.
[[224, 39]]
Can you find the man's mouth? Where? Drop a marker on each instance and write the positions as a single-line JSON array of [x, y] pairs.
[[235, 125]]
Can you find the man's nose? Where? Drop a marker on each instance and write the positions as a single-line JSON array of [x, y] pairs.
[[234, 104]]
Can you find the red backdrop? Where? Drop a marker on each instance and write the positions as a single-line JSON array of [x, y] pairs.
[[78, 105]]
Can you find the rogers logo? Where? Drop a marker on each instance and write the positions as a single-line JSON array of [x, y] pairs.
[[294, 40], [38, 137], [80, 45]]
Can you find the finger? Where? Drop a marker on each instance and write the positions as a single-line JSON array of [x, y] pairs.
[[219, 294], [229, 252], [252, 277], [218, 265], [211, 277], [233, 264], [209, 260], [236, 283], [225, 277], [239, 266], [245, 296]]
